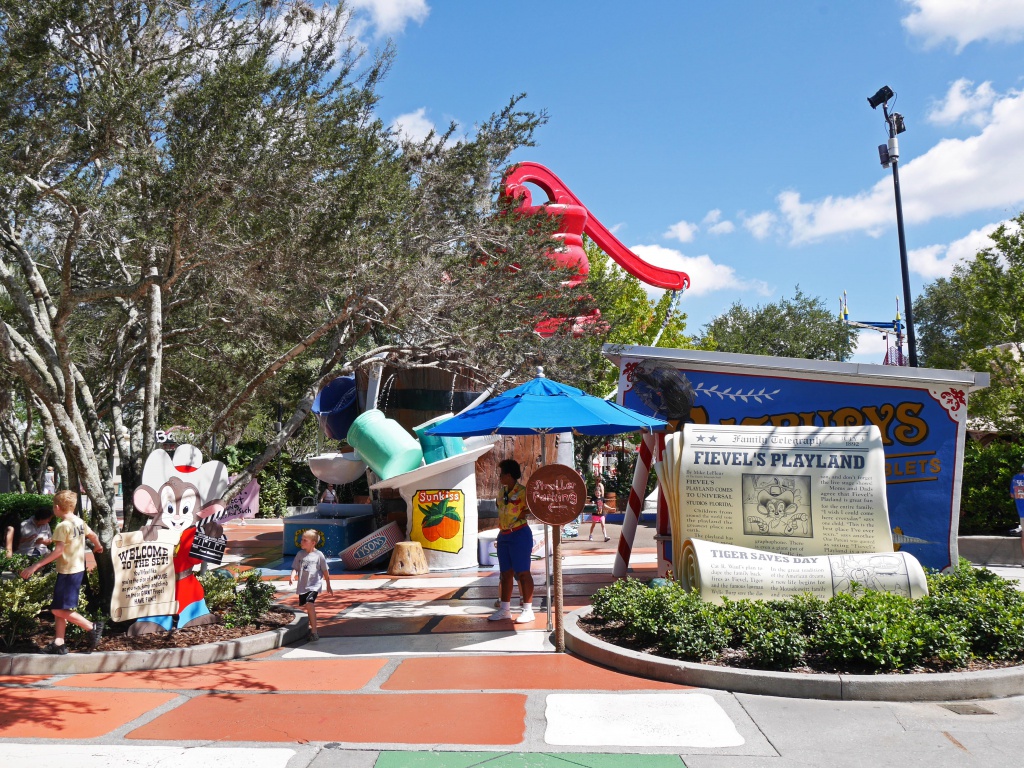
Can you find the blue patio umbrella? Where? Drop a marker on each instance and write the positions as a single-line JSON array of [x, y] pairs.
[[541, 406]]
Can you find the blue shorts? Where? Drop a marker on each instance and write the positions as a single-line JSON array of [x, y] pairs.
[[514, 550], [65, 592]]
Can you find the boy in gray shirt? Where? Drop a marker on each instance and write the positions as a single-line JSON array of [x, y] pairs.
[[308, 566]]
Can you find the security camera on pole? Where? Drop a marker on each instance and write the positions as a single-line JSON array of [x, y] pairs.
[[889, 154]]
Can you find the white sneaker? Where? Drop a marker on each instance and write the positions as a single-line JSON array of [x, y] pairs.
[[501, 613], [526, 616]]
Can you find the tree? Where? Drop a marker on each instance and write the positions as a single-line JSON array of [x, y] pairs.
[[799, 327], [973, 320], [202, 214]]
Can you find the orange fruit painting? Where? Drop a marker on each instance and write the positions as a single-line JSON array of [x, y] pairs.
[[440, 521]]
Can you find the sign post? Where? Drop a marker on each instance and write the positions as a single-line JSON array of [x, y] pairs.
[[555, 495]]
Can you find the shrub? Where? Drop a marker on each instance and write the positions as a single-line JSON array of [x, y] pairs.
[[970, 613], [219, 587], [251, 602], [985, 503], [697, 631], [20, 604], [24, 504], [771, 632], [879, 631]]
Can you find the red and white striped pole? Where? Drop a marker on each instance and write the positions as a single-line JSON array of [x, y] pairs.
[[636, 504], [663, 527]]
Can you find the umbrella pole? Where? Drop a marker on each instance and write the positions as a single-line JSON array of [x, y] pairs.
[[553, 531], [559, 623]]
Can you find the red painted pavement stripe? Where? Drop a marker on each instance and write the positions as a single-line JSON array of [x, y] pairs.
[[459, 718]]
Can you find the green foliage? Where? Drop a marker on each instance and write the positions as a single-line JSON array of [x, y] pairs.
[[15, 563], [799, 327], [973, 320], [20, 604], [985, 503], [296, 483], [773, 633], [220, 589], [24, 504], [969, 614], [251, 602], [874, 630]]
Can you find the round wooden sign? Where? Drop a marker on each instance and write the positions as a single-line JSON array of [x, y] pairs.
[[556, 494]]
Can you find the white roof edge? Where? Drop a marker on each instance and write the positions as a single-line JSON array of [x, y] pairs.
[[970, 379]]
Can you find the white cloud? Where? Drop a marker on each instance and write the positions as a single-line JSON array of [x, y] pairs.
[[715, 224], [961, 104], [966, 21], [705, 275], [936, 261], [956, 176], [683, 231], [872, 346], [760, 224], [391, 16], [413, 126]]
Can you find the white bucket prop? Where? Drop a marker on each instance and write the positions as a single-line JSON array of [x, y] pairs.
[[337, 468]]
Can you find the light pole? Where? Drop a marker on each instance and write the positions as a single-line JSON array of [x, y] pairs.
[[889, 154]]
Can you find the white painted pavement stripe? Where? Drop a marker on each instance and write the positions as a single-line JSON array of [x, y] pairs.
[[638, 720], [138, 756], [284, 586], [413, 608], [533, 641]]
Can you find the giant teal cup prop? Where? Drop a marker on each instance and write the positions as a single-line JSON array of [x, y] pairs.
[[384, 444], [436, 447]]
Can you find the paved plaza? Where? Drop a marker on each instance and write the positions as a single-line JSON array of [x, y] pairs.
[[409, 672]]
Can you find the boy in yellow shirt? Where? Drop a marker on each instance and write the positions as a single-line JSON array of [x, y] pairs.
[[69, 551]]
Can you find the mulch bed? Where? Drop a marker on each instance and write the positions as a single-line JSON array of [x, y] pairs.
[[612, 632], [115, 639]]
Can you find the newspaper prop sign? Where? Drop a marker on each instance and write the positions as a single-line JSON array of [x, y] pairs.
[[921, 413], [740, 573], [789, 490], [143, 575]]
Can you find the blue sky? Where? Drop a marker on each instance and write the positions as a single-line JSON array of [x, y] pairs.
[[733, 140]]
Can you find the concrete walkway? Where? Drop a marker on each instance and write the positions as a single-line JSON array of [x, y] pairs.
[[409, 672]]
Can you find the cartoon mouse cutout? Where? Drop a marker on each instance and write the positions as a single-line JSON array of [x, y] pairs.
[[179, 494]]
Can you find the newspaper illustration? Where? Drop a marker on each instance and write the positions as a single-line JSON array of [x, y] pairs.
[[741, 573], [799, 491]]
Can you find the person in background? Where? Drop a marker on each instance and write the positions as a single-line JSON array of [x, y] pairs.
[[515, 545], [69, 552], [36, 534], [10, 532], [49, 482], [598, 517], [329, 496]]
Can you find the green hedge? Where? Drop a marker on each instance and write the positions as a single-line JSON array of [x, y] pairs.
[[24, 504], [985, 503], [969, 614]]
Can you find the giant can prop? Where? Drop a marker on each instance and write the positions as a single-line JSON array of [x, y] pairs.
[[441, 502]]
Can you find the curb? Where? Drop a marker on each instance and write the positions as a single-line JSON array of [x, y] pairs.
[[164, 658], [933, 686]]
